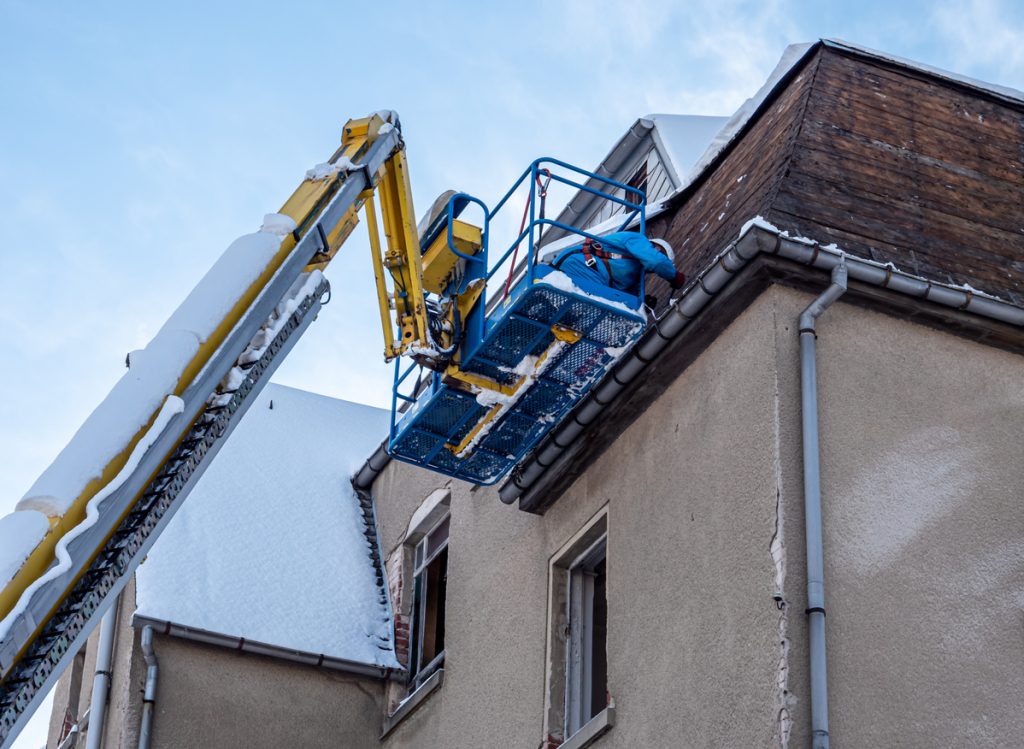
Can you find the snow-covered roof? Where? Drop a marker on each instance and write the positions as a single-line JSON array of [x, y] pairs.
[[683, 139], [270, 546]]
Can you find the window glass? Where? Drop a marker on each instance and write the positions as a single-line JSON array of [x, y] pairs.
[[587, 657]]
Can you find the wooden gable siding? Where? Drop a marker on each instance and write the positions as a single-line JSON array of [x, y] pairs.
[[709, 214], [892, 164]]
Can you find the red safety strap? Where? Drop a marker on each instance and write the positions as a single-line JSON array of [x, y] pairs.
[[592, 249], [522, 224]]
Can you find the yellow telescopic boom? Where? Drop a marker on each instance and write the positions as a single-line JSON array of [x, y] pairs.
[[95, 534]]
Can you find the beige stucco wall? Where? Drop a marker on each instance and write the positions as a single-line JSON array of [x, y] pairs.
[[923, 472], [209, 696], [691, 490], [922, 478]]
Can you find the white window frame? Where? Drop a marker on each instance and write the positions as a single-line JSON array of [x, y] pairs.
[[426, 550], [569, 698]]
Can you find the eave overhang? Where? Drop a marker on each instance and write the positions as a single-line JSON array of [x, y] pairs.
[[761, 255]]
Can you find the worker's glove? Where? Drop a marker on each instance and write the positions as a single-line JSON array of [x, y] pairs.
[[678, 281]]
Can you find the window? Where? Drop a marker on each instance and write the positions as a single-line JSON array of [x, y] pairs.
[[578, 701], [430, 577], [639, 181], [587, 656], [639, 178]]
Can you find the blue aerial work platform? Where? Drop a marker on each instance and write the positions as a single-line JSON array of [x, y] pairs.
[[526, 358]]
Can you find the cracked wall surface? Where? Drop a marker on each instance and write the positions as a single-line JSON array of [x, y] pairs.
[[922, 474], [922, 478]]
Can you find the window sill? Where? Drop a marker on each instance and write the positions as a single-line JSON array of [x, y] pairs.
[[414, 700], [594, 729]]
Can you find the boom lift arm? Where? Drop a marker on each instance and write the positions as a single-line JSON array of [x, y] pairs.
[[73, 574], [493, 378]]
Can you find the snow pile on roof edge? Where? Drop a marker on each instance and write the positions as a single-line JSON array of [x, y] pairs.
[[791, 57]]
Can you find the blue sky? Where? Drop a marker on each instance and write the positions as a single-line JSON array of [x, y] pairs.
[[138, 139]]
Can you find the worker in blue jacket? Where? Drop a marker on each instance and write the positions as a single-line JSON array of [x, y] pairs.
[[619, 260]]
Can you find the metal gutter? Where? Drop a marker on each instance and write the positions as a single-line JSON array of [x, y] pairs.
[[372, 468], [812, 504], [101, 680], [756, 237], [243, 645], [149, 693], [621, 153]]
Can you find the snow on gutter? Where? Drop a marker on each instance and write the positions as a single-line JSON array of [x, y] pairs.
[[243, 645], [757, 236], [620, 154], [372, 468]]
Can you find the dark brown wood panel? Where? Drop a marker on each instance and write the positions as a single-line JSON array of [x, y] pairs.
[[893, 164], [937, 184], [902, 218], [740, 187], [911, 100], [975, 150]]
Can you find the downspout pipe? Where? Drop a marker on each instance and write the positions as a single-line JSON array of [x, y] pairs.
[[149, 694], [812, 505], [101, 680]]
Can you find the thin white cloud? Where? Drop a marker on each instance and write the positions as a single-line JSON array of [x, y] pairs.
[[983, 37]]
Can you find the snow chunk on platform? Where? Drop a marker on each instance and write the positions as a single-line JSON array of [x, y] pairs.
[[20, 533], [128, 407], [270, 545]]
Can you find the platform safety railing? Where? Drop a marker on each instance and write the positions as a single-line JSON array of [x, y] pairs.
[[633, 201]]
